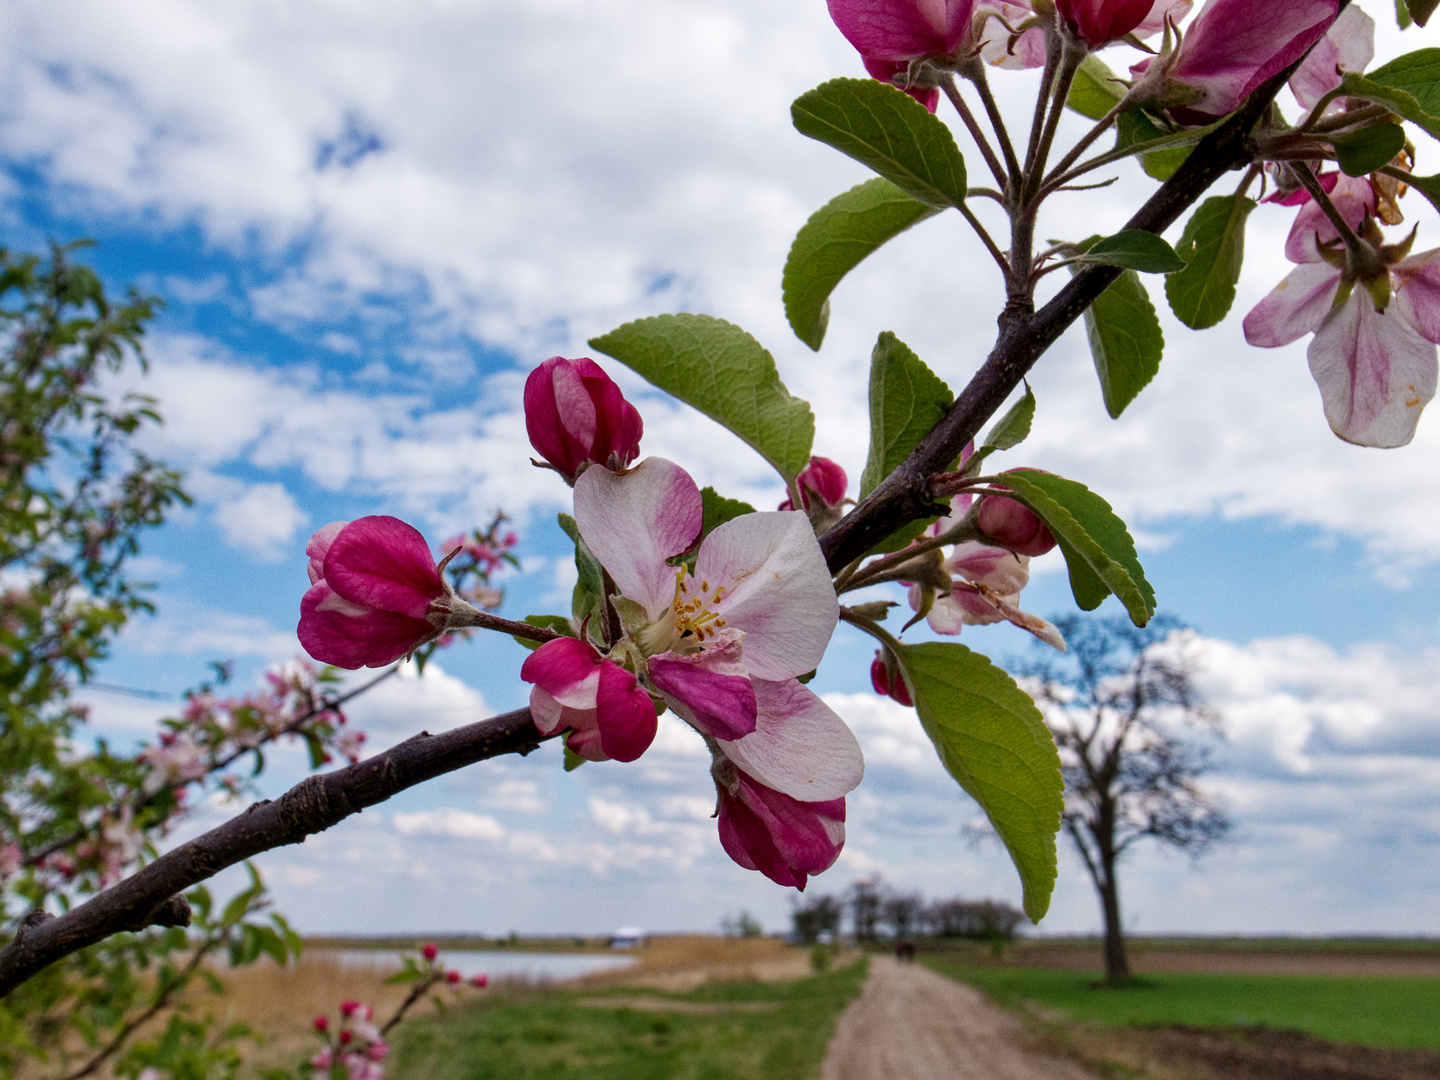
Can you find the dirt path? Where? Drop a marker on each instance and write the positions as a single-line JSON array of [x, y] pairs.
[[912, 1024]]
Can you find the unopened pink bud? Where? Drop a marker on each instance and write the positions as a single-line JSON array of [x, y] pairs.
[[348, 1007], [824, 478], [322, 1023], [480, 981], [1009, 524], [345, 1038], [430, 951], [1102, 21], [452, 977], [575, 415], [880, 680]]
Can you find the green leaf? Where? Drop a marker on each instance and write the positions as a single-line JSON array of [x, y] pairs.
[[1402, 15], [1134, 249], [1095, 90], [1398, 99], [1134, 128], [1098, 548], [726, 374], [886, 129], [1126, 341], [994, 742], [1362, 152], [572, 760], [558, 623], [1014, 427], [907, 400], [1213, 247], [1421, 10], [834, 241], [719, 509], [1429, 186], [1417, 73]]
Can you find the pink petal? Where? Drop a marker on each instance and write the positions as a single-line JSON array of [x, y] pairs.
[[1349, 45], [1296, 307], [1154, 23], [560, 415], [993, 567], [317, 548], [1099, 22], [710, 690], [1235, 45], [1027, 52], [634, 522], [1417, 292], [777, 590], [383, 563], [567, 668], [904, 29], [1353, 197], [783, 838], [1374, 371], [624, 714], [824, 478], [799, 746], [337, 631], [946, 616], [893, 72]]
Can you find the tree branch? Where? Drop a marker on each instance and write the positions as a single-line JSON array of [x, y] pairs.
[[312, 806], [903, 496]]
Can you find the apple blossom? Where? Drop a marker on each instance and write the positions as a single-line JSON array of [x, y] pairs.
[[1230, 49], [376, 594], [783, 838], [1012, 525], [1026, 49], [1375, 315], [887, 680], [896, 37], [608, 714], [480, 981], [1099, 22], [576, 416], [430, 950], [1349, 45], [822, 485], [985, 588]]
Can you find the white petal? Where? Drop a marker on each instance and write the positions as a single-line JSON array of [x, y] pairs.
[[1296, 307], [635, 521], [799, 746], [1417, 292], [1374, 371], [777, 590]]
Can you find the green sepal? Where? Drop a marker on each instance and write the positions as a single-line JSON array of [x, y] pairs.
[[572, 760]]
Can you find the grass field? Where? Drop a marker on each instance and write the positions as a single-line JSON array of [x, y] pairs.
[[720, 1031], [1391, 1012]]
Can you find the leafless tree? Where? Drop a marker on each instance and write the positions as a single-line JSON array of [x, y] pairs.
[[866, 896], [903, 913], [815, 915], [982, 920], [1123, 705]]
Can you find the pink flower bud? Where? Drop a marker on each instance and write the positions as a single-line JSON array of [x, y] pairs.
[[782, 837], [480, 982], [452, 977], [889, 34], [575, 415], [880, 680], [1102, 21], [348, 1007], [378, 598], [322, 1024], [345, 1038], [609, 714], [1009, 524], [823, 479], [430, 951]]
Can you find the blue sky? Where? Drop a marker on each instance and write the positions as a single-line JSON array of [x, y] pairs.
[[370, 219]]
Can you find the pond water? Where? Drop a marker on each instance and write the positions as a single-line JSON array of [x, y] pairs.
[[496, 964]]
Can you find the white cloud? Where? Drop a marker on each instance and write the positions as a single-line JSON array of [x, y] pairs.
[[262, 520], [460, 824], [408, 703]]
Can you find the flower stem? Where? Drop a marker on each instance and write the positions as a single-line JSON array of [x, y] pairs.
[[976, 131], [1322, 199], [976, 74]]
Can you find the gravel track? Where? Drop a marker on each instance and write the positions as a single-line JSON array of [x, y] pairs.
[[912, 1024]]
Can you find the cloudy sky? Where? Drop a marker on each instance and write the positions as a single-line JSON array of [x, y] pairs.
[[369, 218]]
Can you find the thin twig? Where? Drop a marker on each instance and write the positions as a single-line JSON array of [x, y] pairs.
[[976, 131], [997, 121]]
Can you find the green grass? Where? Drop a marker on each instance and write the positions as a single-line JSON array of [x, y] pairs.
[[1370, 1011], [551, 1035]]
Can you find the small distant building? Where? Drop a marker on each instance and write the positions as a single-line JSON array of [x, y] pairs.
[[627, 937]]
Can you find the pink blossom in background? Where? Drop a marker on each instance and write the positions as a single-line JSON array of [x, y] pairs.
[[1235, 45], [1376, 368], [822, 481], [783, 838], [608, 714], [985, 589], [1349, 45], [374, 592], [575, 416], [429, 951]]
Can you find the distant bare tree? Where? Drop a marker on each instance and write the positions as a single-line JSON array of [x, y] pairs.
[[982, 920], [1119, 704], [813, 916], [903, 913], [866, 896]]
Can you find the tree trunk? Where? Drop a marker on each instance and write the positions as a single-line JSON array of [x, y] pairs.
[[1117, 964]]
